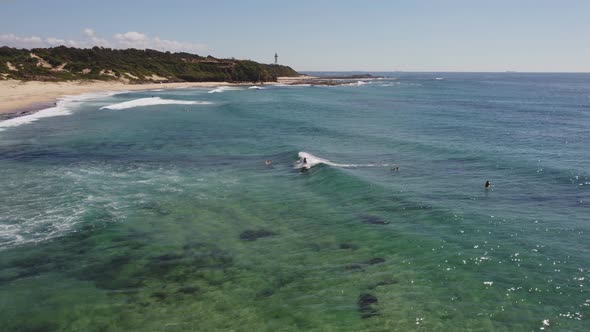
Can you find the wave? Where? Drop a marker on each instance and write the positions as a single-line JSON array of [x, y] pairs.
[[58, 110], [150, 102], [62, 107], [255, 87], [401, 84], [223, 89], [312, 161], [358, 83]]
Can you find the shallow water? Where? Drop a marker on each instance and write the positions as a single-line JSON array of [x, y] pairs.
[[164, 217]]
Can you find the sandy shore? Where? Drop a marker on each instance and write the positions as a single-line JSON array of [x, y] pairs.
[[16, 95]]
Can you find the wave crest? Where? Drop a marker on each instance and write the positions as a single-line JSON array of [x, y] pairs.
[[62, 107], [312, 161], [150, 102], [224, 88]]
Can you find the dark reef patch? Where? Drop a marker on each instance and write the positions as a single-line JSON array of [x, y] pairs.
[[373, 220], [253, 235], [156, 209], [159, 296], [348, 246], [354, 267], [188, 290], [366, 303], [112, 274], [267, 292], [376, 260], [384, 282]]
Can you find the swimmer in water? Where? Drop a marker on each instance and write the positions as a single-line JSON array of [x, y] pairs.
[[268, 162], [488, 185]]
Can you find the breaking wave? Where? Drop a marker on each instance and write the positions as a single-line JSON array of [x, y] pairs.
[[150, 102], [312, 161], [62, 107], [223, 89]]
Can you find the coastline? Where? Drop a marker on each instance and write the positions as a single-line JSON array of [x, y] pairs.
[[19, 98], [22, 98]]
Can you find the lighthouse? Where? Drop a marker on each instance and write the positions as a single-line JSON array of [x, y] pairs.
[[276, 59]]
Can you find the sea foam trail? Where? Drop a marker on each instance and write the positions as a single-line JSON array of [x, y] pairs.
[[150, 102], [313, 161]]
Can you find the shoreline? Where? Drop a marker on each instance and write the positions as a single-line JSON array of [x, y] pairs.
[[20, 98]]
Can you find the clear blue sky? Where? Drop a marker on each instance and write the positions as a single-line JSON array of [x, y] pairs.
[[409, 35]]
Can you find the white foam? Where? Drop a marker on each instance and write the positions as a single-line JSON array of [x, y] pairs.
[[46, 113], [313, 161], [150, 102], [62, 107], [224, 88], [255, 87], [439, 78], [358, 83], [401, 84]]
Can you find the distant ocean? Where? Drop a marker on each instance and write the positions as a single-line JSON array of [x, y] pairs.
[[155, 211]]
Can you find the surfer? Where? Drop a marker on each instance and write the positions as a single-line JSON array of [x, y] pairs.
[[304, 160], [488, 185]]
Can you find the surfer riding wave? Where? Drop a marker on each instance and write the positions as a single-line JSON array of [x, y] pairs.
[[308, 160]]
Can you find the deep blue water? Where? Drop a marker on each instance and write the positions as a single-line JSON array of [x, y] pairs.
[[165, 217]]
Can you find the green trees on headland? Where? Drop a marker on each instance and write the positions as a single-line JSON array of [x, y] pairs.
[[133, 65]]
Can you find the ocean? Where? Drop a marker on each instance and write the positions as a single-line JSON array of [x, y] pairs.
[[156, 211]]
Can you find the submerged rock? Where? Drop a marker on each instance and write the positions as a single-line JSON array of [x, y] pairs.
[[350, 246], [112, 274], [363, 265], [354, 267], [156, 209], [385, 282], [253, 235], [169, 257], [376, 260], [373, 220], [188, 290], [160, 296], [366, 304], [267, 292]]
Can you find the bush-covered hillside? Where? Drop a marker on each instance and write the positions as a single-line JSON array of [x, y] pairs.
[[133, 65]]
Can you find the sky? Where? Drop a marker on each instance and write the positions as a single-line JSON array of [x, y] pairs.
[[323, 35]]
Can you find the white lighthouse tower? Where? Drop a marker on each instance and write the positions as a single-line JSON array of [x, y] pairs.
[[276, 59]]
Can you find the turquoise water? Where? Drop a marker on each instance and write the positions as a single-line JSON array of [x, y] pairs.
[[164, 217]]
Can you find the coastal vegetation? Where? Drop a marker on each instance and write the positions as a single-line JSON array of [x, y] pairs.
[[130, 65]]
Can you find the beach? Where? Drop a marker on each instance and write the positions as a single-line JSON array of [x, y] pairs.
[[34, 95]]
